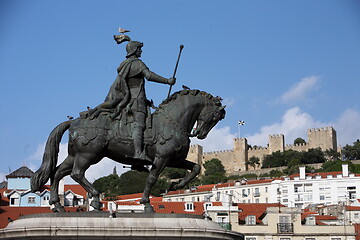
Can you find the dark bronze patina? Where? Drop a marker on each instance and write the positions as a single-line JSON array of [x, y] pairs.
[[123, 130]]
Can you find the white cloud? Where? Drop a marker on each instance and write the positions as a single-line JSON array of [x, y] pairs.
[[228, 102], [299, 91], [347, 127], [2, 177], [217, 139], [294, 124]]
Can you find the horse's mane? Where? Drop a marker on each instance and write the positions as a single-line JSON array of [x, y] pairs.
[[193, 92]]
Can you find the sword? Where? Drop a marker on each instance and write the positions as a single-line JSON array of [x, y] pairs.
[[176, 66]]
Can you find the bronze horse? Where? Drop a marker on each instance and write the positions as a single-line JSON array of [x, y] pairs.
[[166, 142]]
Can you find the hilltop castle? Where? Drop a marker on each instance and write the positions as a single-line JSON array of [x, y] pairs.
[[234, 160]]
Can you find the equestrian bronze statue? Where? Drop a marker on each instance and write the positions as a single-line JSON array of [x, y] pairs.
[[124, 130]]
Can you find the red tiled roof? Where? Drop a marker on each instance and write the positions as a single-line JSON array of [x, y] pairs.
[[4, 201], [207, 188], [179, 207], [352, 208], [156, 199], [325, 217], [357, 230], [75, 188], [322, 174], [15, 212], [129, 196], [256, 209]]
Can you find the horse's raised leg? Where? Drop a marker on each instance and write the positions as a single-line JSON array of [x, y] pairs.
[[194, 171], [63, 170], [158, 166], [81, 164]]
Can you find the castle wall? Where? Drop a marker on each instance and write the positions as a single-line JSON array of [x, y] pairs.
[[303, 147], [234, 160], [227, 158]]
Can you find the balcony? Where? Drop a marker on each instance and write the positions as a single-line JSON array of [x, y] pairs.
[[285, 228]]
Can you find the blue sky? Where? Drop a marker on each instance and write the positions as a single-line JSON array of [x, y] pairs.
[[281, 66]]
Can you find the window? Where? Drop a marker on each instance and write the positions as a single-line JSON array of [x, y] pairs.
[[310, 238], [206, 205], [189, 207], [193, 199], [356, 215], [322, 197], [250, 220], [31, 199], [161, 206], [257, 200], [46, 198], [218, 196], [250, 238], [335, 238], [257, 192], [266, 189]]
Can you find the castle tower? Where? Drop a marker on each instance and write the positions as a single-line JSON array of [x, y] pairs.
[[325, 138], [276, 143], [195, 155], [240, 153]]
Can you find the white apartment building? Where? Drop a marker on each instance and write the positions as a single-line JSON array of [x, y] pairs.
[[329, 188], [298, 190]]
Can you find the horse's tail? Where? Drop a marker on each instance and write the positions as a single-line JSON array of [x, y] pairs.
[[50, 157]]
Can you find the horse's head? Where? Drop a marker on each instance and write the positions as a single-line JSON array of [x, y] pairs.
[[208, 118]]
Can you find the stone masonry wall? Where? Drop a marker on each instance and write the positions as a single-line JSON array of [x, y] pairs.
[[234, 159]]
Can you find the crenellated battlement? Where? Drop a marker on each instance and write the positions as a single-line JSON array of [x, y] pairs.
[[324, 129], [217, 152], [234, 159], [296, 145], [276, 136]]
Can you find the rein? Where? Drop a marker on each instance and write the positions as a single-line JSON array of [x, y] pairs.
[[171, 120]]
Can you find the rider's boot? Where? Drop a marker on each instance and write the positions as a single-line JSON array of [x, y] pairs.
[[138, 138]]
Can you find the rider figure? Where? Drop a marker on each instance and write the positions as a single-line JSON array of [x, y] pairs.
[[128, 90]]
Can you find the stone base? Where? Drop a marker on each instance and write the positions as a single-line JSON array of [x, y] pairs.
[[100, 225]]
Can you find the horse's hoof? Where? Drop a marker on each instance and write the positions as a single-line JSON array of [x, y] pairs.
[[144, 201], [58, 209], [96, 205], [148, 208]]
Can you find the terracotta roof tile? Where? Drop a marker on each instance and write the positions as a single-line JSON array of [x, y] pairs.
[[15, 212], [75, 188], [256, 209]]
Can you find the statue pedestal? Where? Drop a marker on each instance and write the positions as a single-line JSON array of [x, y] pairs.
[[99, 225]]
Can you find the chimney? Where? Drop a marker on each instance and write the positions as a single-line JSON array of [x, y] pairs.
[[302, 172], [345, 170]]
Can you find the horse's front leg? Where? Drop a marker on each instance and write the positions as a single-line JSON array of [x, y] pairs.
[[194, 171], [157, 167]]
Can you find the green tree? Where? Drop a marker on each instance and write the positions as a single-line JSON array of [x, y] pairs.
[[213, 167], [299, 141], [252, 161], [128, 183], [174, 173], [352, 152], [332, 155], [336, 166], [214, 172]]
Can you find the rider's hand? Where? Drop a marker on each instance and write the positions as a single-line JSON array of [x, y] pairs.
[[171, 81]]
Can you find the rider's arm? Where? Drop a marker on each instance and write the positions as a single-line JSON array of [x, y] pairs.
[[151, 76]]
